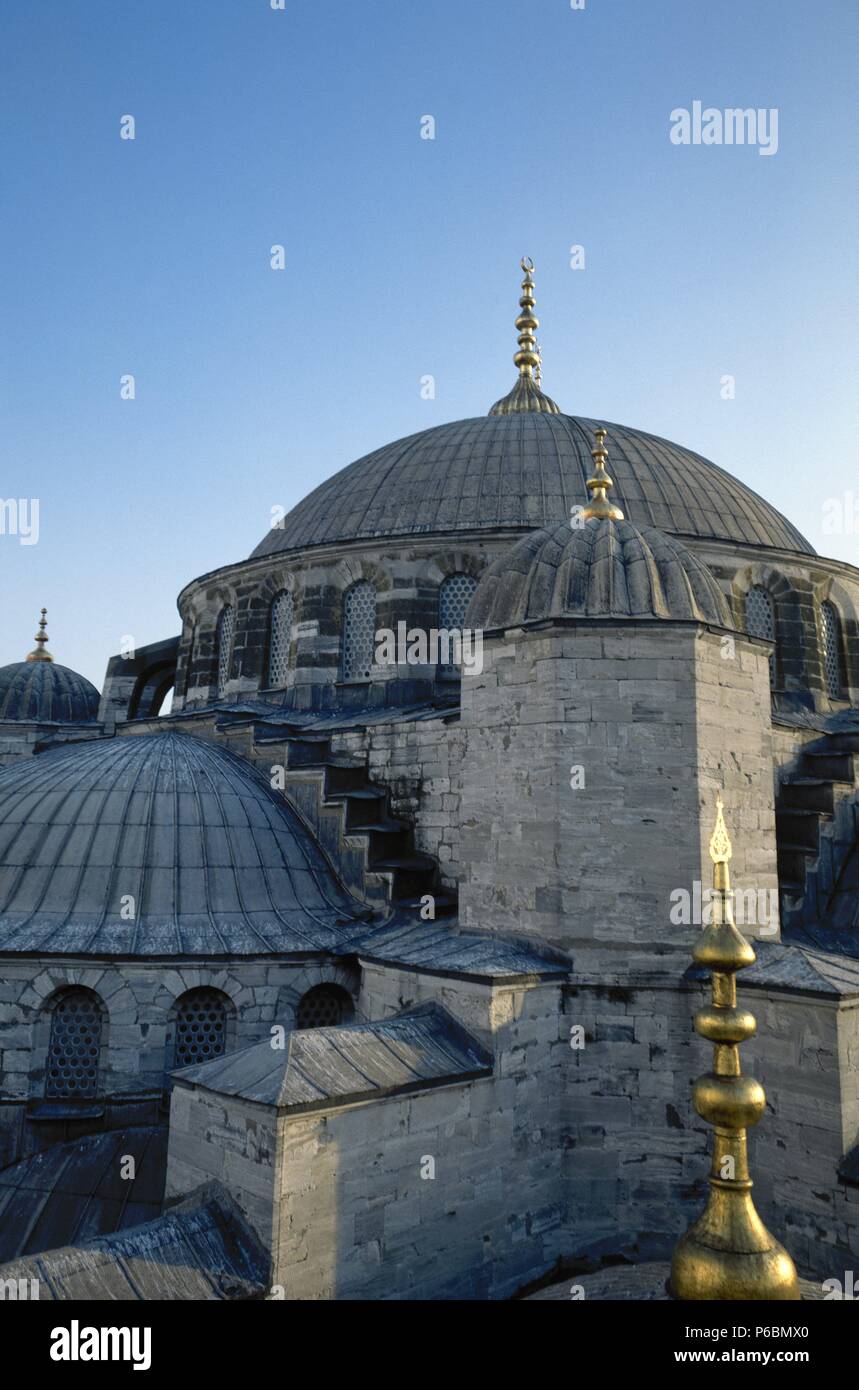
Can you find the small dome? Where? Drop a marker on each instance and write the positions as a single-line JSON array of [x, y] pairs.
[[45, 692], [158, 845], [601, 569]]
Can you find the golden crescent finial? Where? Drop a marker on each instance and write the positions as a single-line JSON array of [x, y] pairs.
[[38, 653], [527, 265], [599, 485]]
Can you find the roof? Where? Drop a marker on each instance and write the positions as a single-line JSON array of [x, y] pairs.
[[69, 1193], [319, 1068], [600, 569], [202, 1249], [440, 948], [46, 693], [526, 471], [159, 845], [791, 967]]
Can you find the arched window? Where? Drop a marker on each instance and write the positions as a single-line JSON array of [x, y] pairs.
[[189, 660], [226, 628], [74, 1046], [831, 632], [454, 596], [200, 1027], [324, 1006], [760, 620], [359, 631], [279, 638]]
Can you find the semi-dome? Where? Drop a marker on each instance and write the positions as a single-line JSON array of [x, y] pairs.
[[158, 845], [41, 691], [599, 569]]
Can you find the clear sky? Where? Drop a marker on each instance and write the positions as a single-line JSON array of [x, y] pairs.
[[301, 127]]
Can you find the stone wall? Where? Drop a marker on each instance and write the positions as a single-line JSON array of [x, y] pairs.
[[137, 998], [594, 752], [356, 1217], [227, 1138]]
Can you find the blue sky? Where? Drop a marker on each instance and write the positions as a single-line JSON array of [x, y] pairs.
[[301, 127]]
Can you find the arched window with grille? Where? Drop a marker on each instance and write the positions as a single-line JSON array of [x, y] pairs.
[[74, 1047], [199, 1027], [279, 638], [359, 631], [831, 633], [189, 659], [324, 1006], [226, 628], [454, 596], [760, 620]]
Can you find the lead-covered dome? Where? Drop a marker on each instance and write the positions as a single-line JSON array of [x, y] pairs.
[[47, 693], [526, 469], [158, 845], [599, 569]]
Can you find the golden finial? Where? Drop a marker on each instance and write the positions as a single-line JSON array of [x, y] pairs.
[[39, 653], [526, 394], [598, 486], [728, 1253]]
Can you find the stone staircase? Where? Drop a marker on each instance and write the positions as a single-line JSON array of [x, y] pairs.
[[373, 851], [816, 826]]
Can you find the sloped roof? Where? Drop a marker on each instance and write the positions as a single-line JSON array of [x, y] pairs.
[[210, 859], [441, 948], [324, 1067], [793, 967], [526, 470], [70, 1193], [202, 1249]]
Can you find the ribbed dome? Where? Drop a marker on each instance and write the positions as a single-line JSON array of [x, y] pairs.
[[602, 569], [46, 692], [526, 470], [210, 859]]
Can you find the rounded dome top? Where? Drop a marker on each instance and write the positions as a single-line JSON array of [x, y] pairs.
[[601, 569], [526, 470], [46, 692], [158, 845]]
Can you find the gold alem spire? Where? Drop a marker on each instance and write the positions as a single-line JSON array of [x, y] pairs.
[[599, 485], [728, 1253], [38, 653], [526, 394]]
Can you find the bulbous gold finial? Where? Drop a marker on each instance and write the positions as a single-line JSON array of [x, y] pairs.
[[38, 653], [526, 394], [598, 486], [728, 1253]]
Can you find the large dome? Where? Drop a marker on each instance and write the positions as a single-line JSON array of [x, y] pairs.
[[526, 470], [158, 845], [45, 692]]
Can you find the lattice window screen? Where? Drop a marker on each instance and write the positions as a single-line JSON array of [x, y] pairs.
[[73, 1050], [454, 596], [324, 1006], [279, 639], [760, 620], [359, 631], [831, 648], [226, 628], [201, 1028]]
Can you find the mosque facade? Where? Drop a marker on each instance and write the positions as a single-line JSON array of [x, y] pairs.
[[375, 961]]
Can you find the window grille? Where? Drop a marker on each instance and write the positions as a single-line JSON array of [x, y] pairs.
[[454, 596], [201, 1028], [226, 627], [760, 620], [279, 639], [831, 648], [324, 1006], [73, 1050], [359, 631]]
